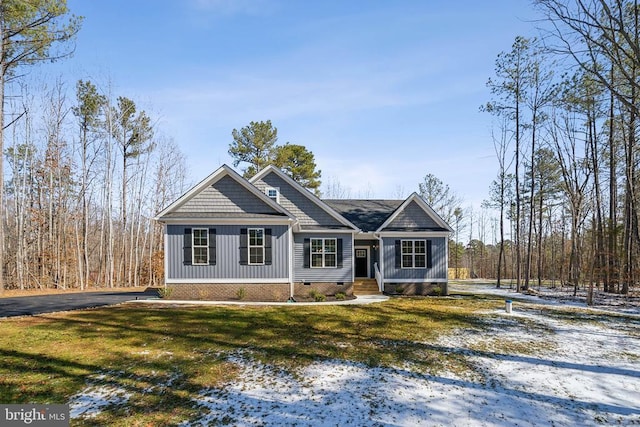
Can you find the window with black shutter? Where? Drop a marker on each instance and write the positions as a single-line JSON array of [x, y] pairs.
[[324, 253], [256, 246]]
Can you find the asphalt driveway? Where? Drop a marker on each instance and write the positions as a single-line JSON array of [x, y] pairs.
[[30, 305]]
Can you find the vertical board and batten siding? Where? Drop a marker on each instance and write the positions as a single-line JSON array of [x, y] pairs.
[[306, 211], [438, 269], [227, 255], [412, 216], [302, 274], [226, 196]]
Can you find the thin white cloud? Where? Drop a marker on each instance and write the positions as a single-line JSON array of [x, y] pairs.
[[230, 7]]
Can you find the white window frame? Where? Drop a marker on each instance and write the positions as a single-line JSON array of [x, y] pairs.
[[413, 254], [255, 246], [268, 190], [323, 252], [195, 246]]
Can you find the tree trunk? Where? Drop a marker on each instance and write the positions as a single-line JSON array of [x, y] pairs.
[[517, 183], [612, 253]]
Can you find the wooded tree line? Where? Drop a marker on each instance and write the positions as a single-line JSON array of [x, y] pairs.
[[85, 178], [566, 108], [84, 175]]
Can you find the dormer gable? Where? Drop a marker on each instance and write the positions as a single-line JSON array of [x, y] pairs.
[[309, 210]]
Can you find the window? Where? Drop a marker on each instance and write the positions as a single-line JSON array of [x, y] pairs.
[[200, 246], [414, 253], [324, 253], [273, 193], [256, 246]]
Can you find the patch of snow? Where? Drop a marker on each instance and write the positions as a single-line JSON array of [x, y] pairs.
[[603, 302], [575, 372], [583, 379], [523, 392], [92, 400], [588, 375]]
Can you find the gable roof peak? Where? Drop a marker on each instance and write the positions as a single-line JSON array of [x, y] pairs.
[[302, 190], [221, 172], [415, 197]]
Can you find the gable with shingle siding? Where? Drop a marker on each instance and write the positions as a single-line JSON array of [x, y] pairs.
[[413, 217], [226, 196], [302, 207]]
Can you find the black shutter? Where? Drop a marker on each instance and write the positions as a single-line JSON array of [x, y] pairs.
[[244, 247], [186, 247], [267, 246], [339, 253], [398, 254], [212, 246], [429, 262], [306, 253]]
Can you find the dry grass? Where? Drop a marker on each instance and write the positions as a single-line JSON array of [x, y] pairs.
[[162, 357]]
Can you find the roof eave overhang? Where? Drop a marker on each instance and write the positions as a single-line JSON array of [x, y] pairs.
[[227, 221], [421, 233], [300, 230]]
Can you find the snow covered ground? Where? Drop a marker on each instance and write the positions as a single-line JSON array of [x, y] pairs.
[[563, 373]]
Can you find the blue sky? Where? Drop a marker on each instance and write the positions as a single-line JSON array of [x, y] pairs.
[[382, 92]]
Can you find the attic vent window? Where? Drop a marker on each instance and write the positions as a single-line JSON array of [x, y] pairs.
[[273, 193]]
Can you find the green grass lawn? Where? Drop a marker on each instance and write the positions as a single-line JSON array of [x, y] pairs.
[[177, 352]]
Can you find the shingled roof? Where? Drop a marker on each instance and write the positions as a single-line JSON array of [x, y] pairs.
[[367, 215]]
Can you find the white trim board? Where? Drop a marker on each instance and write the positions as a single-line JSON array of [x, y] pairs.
[[278, 281]]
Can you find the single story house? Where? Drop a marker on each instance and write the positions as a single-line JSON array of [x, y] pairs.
[[270, 239]]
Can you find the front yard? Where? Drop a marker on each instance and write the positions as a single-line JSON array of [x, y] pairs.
[[429, 361]]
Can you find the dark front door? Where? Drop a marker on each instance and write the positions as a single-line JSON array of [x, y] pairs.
[[362, 262]]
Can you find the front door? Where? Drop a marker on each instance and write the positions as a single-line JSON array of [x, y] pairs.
[[362, 262]]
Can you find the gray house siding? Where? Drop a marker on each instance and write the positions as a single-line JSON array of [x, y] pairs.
[[227, 255], [302, 274], [438, 269], [306, 211], [227, 196], [413, 217]]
